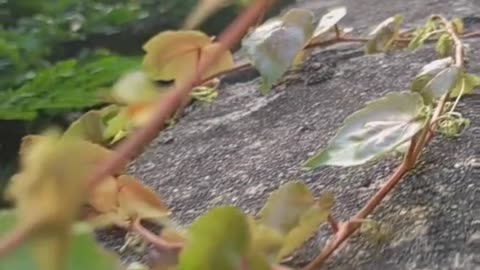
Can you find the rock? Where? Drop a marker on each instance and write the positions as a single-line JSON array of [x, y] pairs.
[[244, 140]]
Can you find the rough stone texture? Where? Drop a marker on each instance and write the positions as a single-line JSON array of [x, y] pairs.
[[240, 148]]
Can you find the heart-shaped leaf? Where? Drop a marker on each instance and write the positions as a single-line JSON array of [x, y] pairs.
[[175, 55], [272, 47], [288, 219], [138, 201], [383, 36], [308, 224], [329, 20], [378, 128], [219, 239], [82, 252]]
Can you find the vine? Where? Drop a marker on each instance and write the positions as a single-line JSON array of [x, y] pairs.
[[48, 207]]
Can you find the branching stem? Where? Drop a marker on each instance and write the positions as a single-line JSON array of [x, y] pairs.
[[411, 157]]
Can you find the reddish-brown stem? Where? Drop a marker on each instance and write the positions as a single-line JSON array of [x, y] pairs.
[[168, 105], [411, 157], [155, 240], [333, 223], [15, 239]]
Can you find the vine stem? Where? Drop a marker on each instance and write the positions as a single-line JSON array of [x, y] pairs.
[[417, 144], [155, 240], [168, 105], [15, 239], [164, 108]]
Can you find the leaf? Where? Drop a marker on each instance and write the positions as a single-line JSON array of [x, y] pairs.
[[83, 252], [441, 84], [174, 55], [422, 34], [288, 219], [383, 36], [137, 201], [444, 45], [429, 72], [118, 126], [217, 240], [103, 197], [204, 94], [458, 25], [378, 128], [329, 20], [273, 46], [135, 87], [91, 125], [468, 82], [308, 224], [285, 206]]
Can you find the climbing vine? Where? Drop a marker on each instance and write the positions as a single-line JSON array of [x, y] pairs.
[[71, 183]]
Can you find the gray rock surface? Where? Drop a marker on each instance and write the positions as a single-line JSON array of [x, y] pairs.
[[245, 145]]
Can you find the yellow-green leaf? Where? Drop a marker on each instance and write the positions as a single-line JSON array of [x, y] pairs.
[[468, 82], [444, 45], [308, 224], [137, 201], [220, 239], [175, 55], [83, 252]]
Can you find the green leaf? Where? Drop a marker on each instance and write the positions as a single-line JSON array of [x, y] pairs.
[[285, 206], [84, 252], [118, 126], [217, 240], [308, 224], [272, 47], [422, 34], [91, 125], [468, 82], [370, 133], [290, 217], [441, 84], [383, 36], [444, 45], [329, 20]]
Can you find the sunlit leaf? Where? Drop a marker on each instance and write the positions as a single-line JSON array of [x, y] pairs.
[[444, 45], [103, 197], [273, 46], [91, 125], [135, 87], [383, 36], [174, 55], [329, 20], [137, 201], [458, 25], [370, 133], [118, 126], [204, 94], [217, 240], [428, 73], [83, 252]]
